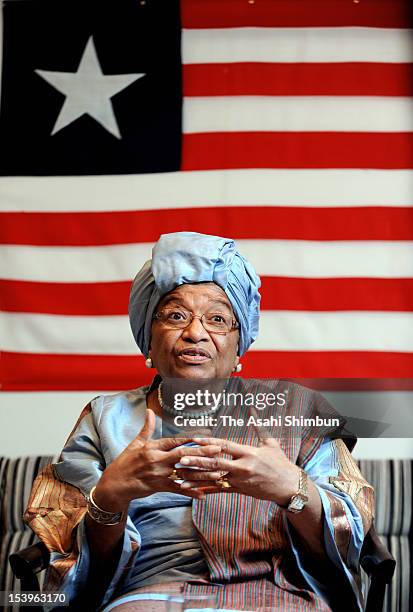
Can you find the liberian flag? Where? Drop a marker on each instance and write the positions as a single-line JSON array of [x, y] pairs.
[[284, 124]]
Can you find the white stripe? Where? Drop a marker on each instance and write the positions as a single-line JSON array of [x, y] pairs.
[[298, 114], [292, 258], [289, 331], [307, 258], [36, 333], [353, 44], [341, 331], [182, 190]]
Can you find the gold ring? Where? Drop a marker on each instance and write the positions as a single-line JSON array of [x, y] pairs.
[[174, 475], [223, 482]]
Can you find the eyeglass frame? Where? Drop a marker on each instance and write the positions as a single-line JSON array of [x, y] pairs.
[[235, 324]]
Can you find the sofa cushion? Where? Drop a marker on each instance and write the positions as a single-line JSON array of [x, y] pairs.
[[19, 475], [392, 480]]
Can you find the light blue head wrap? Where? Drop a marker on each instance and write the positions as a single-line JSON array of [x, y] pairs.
[[188, 257]]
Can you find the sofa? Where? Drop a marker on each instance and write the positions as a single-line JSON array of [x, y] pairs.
[[392, 479]]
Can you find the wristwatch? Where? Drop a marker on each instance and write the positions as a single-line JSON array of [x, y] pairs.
[[299, 500], [103, 517]]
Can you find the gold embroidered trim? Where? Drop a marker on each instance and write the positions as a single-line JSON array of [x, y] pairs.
[[351, 481], [342, 528], [54, 511]]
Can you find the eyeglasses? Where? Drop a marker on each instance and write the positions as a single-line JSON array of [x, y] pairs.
[[214, 322]]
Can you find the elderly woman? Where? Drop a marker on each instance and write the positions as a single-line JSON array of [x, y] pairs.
[[133, 513]]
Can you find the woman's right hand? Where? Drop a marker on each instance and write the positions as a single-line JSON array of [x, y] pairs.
[[144, 467]]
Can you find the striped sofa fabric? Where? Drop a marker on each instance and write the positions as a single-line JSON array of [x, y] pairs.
[[392, 480], [16, 479], [393, 485]]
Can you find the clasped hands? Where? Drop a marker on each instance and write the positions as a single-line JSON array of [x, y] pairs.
[[261, 471], [145, 467]]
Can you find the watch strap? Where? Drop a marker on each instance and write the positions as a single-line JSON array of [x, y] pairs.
[[299, 500]]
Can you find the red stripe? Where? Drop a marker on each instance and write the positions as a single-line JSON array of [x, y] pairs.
[[75, 299], [312, 79], [226, 150], [295, 13], [326, 294], [40, 372], [239, 222], [327, 364]]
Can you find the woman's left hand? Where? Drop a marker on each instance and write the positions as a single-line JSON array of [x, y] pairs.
[[262, 471]]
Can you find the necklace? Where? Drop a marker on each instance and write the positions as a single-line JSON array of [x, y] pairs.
[[174, 412]]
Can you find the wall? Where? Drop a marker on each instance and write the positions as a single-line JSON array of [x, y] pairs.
[[38, 423]]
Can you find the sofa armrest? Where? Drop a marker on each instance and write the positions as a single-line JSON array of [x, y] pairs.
[[379, 564], [375, 559], [28, 562]]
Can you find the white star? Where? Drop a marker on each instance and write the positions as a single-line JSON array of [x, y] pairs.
[[88, 91]]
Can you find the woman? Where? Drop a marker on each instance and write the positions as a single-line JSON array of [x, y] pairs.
[[132, 512]]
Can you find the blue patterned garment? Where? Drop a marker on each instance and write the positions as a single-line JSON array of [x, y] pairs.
[[241, 549]]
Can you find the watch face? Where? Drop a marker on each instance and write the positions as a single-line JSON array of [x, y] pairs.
[[296, 504]]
